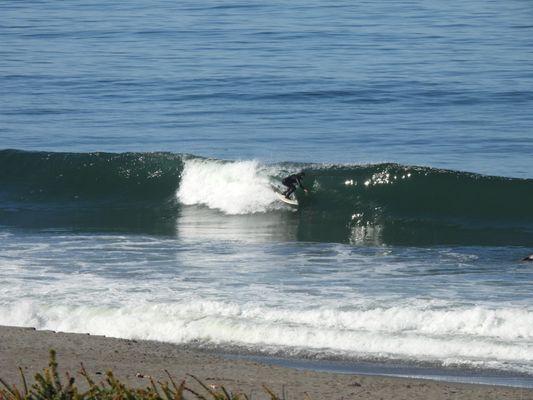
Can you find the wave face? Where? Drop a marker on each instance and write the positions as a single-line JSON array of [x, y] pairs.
[[382, 203], [43, 176], [89, 191]]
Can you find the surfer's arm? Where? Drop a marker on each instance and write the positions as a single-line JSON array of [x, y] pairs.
[[302, 186]]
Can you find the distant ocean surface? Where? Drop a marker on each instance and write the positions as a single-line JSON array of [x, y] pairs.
[[139, 142]]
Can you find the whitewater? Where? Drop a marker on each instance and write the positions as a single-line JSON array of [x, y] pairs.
[[299, 300]]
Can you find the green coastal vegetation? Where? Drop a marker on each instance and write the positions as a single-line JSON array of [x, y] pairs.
[[49, 386]]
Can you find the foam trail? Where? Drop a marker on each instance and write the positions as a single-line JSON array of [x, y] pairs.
[[263, 329], [231, 187]]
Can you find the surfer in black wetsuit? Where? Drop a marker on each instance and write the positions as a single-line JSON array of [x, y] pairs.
[[291, 181]]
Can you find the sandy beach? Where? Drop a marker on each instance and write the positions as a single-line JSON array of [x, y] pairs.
[[28, 348]]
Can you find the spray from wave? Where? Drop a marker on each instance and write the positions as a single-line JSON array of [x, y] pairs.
[[233, 188]]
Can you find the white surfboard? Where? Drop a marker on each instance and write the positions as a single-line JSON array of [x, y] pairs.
[[292, 202]]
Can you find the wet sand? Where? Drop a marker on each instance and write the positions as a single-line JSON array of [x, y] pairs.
[[129, 359]]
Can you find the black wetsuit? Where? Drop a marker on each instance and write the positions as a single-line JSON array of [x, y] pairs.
[[291, 182]]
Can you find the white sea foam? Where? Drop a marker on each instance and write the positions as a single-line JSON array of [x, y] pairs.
[[240, 187], [481, 337], [295, 298]]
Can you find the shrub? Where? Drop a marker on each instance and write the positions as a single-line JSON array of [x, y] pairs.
[[48, 386]]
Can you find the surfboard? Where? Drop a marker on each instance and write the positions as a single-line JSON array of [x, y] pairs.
[[292, 202]]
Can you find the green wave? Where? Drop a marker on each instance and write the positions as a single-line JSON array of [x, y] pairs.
[[398, 204], [362, 204]]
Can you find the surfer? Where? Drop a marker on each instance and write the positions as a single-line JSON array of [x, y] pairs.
[[528, 258], [291, 181]]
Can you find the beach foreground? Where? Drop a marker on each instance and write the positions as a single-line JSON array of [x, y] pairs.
[[130, 359]]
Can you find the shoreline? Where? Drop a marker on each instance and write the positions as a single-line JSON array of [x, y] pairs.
[[398, 369], [29, 349]]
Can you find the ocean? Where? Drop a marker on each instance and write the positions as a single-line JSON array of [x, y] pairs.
[[139, 142]]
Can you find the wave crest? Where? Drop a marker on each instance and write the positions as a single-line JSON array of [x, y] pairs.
[[240, 187]]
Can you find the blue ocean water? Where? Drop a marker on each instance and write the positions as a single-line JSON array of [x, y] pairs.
[[139, 141], [444, 84]]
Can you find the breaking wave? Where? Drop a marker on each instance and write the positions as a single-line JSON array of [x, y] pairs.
[[382, 203]]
